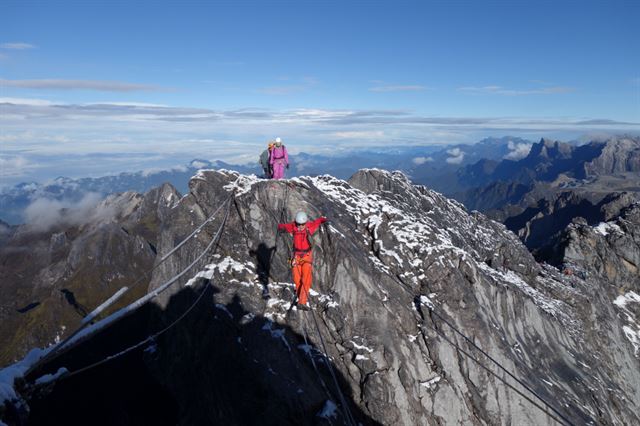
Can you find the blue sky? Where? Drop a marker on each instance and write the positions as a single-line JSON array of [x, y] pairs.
[[162, 82]]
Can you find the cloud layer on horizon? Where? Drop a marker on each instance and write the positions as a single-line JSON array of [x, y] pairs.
[[36, 131]]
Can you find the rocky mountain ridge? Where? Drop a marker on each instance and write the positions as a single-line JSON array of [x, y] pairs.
[[609, 253], [393, 255], [51, 277], [540, 195]]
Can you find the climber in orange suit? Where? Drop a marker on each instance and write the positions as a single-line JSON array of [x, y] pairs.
[[301, 262]]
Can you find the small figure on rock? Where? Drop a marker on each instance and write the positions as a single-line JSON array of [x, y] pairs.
[[279, 159], [301, 261], [264, 161]]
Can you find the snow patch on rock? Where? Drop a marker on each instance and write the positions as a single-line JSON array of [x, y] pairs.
[[605, 228], [631, 329], [9, 374], [329, 411]]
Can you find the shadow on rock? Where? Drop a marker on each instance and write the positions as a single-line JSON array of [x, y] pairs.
[[263, 255], [71, 300], [221, 364]]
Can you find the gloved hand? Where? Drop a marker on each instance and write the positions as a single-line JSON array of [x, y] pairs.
[[287, 166]]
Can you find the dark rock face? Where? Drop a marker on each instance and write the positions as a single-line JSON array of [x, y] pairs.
[[6, 231], [494, 196], [391, 252], [537, 225], [51, 278]]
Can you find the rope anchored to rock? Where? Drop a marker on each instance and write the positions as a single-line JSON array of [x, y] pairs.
[[138, 303]]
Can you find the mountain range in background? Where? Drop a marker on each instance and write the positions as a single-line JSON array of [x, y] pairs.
[[434, 166], [541, 194], [536, 189]]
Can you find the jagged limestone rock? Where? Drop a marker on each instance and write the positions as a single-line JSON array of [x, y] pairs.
[[395, 261], [393, 248]]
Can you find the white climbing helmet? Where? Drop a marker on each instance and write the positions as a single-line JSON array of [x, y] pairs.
[[301, 218], [278, 140]]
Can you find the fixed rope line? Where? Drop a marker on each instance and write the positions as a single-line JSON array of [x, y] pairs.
[[346, 411], [143, 342], [560, 417], [151, 338], [527, 387], [343, 401], [313, 362], [74, 338], [561, 420], [195, 231], [135, 283]]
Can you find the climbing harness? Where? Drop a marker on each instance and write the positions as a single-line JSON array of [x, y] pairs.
[[299, 258], [348, 416]]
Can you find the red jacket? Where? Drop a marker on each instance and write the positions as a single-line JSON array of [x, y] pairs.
[[301, 236]]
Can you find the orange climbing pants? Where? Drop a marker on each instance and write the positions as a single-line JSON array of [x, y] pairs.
[[301, 269]]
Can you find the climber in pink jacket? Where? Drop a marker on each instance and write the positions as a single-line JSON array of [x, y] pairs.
[[279, 159]]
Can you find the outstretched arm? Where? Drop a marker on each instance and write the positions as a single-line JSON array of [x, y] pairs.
[[314, 225], [288, 227]]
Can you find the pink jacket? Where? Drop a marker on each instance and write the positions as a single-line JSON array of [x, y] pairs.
[[279, 153]]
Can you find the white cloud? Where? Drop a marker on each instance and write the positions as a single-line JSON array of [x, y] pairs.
[[421, 160], [60, 84], [304, 84], [97, 138], [13, 165], [398, 88], [355, 134], [27, 101], [281, 90], [155, 170], [39, 110], [457, 156], [198, 164], [499, 90], [517, 150], [44, 213], [17, 46], [133, 104]]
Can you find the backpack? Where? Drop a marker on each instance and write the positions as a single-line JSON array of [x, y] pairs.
[[282, 150], [309, 240], [264, 159]]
